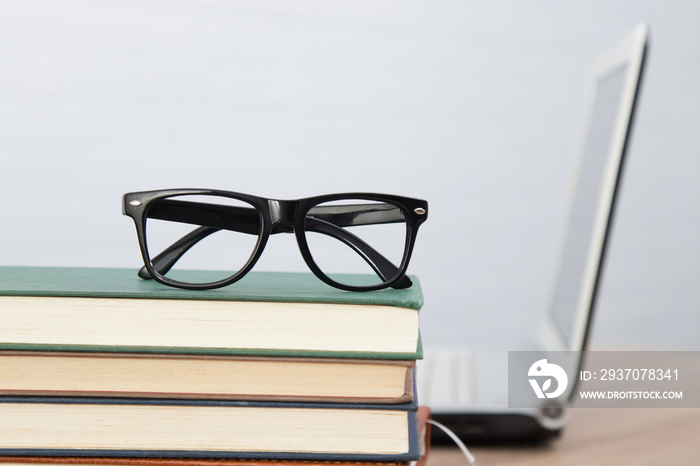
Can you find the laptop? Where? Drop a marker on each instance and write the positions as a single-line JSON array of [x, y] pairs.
[[467, 388]]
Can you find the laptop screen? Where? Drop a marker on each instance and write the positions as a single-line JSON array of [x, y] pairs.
[[580, 234]]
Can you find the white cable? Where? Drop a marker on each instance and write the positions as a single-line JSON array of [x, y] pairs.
[[456, 440]]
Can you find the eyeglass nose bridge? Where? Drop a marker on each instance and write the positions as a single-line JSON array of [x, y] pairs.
[[282, 215]]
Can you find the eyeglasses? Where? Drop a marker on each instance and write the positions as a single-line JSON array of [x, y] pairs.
[[206, 238]]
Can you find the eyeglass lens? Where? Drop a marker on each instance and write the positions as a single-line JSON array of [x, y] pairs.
[[351, 240], [214, 236]]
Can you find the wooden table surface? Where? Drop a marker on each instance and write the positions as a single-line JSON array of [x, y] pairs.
[[600, 436]]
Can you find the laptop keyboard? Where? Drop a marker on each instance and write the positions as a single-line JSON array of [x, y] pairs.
[[454, 378], [446, 379]]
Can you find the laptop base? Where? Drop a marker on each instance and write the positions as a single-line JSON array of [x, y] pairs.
[[493, 428]]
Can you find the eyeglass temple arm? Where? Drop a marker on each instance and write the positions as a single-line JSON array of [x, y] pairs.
[[165, 261], [186, 212], [358, 214]]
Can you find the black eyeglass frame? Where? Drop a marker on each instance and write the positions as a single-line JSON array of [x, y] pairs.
[[279, 216]]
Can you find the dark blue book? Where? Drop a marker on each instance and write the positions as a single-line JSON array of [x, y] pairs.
[[140, 428]]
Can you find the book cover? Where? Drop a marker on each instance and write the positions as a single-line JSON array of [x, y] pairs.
[[302, 287], [264, 314], [50, 426], [117, 461]]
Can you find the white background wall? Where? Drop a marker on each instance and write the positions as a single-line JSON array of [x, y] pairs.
[[472, 105]]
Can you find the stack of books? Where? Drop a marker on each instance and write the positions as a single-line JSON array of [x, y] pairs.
[[98, 366]]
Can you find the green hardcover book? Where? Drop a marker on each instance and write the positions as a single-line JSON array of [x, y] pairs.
[[103, 310]]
